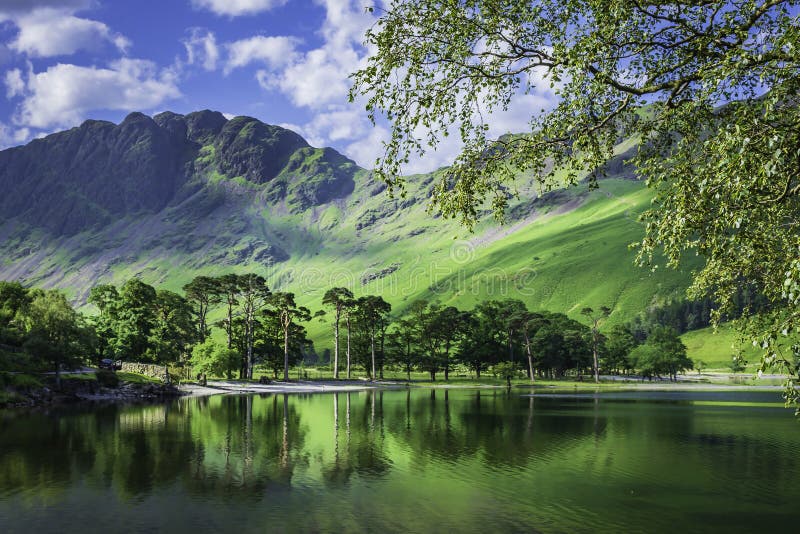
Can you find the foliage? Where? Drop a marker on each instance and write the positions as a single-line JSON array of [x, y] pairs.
[[215, 359], [506, 371], [710, 88], [619, 343], [55, 332], [287, 313], [662, 354]]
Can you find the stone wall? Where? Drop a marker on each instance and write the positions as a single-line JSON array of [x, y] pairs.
[[146, 369]]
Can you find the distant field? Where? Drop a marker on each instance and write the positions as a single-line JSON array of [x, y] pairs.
[[716, 349]]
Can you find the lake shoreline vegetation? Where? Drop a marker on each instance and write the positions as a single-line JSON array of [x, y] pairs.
[[258, 337]]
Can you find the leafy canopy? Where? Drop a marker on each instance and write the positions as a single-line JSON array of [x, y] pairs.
[[708, 88]]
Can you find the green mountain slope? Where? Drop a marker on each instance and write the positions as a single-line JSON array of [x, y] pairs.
[[172, 197]]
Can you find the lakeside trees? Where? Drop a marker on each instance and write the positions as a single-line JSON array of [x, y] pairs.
[[138, 322]]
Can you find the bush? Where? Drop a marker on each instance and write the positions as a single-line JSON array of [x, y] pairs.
[[107, 378]]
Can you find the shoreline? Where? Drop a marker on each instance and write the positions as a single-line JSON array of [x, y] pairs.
[[233, 387], [79, 392]]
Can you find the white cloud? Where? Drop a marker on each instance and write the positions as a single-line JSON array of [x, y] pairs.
[[275, 51], [64, 94], [49, 32], [320, 78], [235, 8], [15, 85], [337, 125], [367, 149], [201, 48], [10, 137]]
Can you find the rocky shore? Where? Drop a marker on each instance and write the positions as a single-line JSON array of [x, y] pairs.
[[74, 391]]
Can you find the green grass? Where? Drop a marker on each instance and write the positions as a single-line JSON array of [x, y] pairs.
[[134, 378], [716, 348]]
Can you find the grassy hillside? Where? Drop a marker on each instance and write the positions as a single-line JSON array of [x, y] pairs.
[[257, 198], [716, 348]]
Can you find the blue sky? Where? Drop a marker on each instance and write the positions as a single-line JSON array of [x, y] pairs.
[[284, 62]]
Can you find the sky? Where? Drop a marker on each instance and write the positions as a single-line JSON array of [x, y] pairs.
[[285, 62]]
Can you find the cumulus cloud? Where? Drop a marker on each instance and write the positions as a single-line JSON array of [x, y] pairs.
[[64, 94], [49, 32], [15, 85], [201, 48], [235, 8], [320, 77], [275, 51]]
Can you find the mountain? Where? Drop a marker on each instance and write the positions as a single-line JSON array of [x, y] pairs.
[[173, 196]]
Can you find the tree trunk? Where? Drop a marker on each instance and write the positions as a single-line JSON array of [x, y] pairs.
[[58, 375], [596, 365], [229, 329], [348, 347], [530, 358], [336, 347], [286, 353], [372, 345], [250, 362], [166, 374]]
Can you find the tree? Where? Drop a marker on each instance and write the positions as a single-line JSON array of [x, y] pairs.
[[56, 333], [287, 313], [527, 324], [173, 329], [448, 327], [738, 363], [212, 358], [254, 295], [595, 317], [14, 297], [106, 298], [481, 340], [709, 87], [134, 319], [270, 341], [403, 344], [202, 293], [662, 353], [348, 307], [227, 290], [619, 344], [374, 312], [338, 299], [509, 311], [507, 371]]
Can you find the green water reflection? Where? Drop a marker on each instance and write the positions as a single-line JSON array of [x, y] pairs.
[[421, 461]]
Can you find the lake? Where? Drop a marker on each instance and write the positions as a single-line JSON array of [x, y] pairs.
[[462, 460]]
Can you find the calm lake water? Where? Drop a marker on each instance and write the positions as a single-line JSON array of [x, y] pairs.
[[418, 461]]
